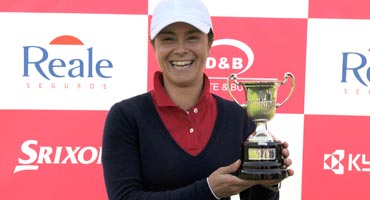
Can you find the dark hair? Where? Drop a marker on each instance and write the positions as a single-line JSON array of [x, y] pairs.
[[210, 37]]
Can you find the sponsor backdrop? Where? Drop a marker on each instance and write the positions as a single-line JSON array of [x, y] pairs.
[[64, 63]]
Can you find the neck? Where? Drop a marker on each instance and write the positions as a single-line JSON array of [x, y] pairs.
[[184, 97]]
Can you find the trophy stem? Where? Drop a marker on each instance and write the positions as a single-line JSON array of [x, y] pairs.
[[261, 133]]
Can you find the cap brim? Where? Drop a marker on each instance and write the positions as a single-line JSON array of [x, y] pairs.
[[203, 27]]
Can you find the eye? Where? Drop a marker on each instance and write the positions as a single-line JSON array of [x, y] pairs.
[[193, 38], [167, 39]]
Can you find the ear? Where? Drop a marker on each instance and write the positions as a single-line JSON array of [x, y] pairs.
[[210, 44], [152, 42]]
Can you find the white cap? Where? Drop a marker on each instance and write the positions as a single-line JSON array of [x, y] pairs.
[[192, 12]]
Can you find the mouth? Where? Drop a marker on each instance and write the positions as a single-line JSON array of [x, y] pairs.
[[181, 63]]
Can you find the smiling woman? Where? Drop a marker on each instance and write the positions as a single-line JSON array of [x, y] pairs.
[[179, 141], [181, 51]]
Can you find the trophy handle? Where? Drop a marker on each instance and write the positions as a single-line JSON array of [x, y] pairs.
[[234, 77], [286, 76]]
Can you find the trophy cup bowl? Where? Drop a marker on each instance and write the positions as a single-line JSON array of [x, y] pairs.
[[261, 154]]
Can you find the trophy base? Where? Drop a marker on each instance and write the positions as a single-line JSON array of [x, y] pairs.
[[262, 174], [262, 161]]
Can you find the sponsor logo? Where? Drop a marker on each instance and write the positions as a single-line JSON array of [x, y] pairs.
[[237, 64], [65, 64], [339, 162], [355, 69], [333, 162], [37, 156], [238, 60]]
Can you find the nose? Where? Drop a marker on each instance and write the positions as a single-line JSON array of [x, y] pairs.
[[181, 48]]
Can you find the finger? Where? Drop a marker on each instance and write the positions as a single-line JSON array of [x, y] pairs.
[[285, 145], [233, 167], [287, 162], [285, 153], [290, 172]]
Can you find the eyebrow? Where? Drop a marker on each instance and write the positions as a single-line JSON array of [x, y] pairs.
[[173, 33]]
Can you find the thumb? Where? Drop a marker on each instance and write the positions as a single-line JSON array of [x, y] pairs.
[[231, 168]]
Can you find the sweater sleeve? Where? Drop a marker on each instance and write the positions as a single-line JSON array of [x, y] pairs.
[[122, 164]]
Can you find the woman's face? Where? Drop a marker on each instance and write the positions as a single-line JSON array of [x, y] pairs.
[[181, 51]]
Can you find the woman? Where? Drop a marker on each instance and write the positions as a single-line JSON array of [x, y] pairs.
[[179, 141]]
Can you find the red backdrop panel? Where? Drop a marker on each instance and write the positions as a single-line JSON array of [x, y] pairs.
[[64, 146], [341, 144]]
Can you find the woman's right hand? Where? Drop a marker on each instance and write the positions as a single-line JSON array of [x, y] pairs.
[[224, 184]]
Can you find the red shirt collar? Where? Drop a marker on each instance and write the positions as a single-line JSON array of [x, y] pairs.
[[161, 98]]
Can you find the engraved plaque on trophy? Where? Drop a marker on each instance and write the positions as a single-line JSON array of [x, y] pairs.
[[261, 154]]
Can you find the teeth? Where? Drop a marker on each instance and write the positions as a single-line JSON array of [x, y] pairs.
[[181, 63]]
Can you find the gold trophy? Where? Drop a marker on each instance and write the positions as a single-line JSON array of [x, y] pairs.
[[261, 154]]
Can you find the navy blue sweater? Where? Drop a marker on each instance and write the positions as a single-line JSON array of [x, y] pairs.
[[142, 161]]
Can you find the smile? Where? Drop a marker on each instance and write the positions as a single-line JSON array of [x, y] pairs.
[[181, 63]]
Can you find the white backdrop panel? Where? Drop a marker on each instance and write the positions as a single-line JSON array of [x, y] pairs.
[[247, 8], [335, 48], [105, 37]]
